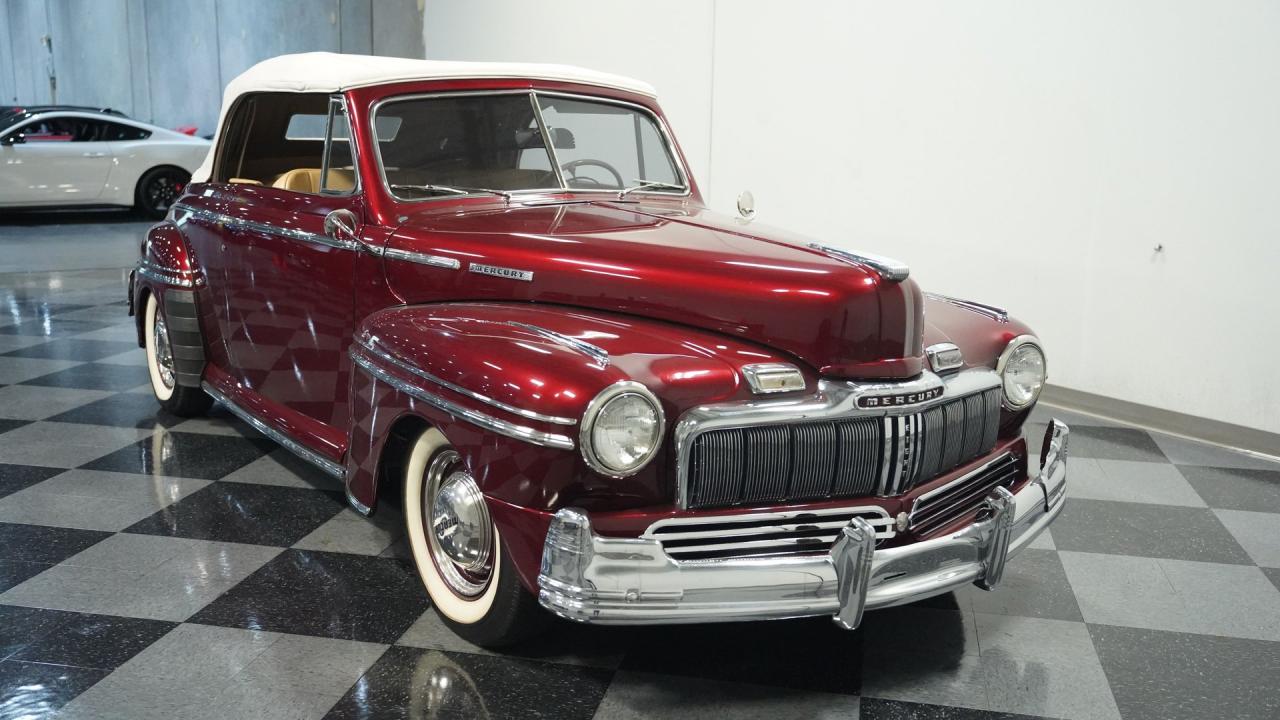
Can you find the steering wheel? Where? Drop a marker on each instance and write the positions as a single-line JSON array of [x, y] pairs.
[[573, 165]]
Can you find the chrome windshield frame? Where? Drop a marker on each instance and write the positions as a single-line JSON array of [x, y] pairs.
[[533, 94]]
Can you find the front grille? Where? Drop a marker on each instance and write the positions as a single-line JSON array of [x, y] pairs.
[[938, 508], [762, 534], [885, 455]]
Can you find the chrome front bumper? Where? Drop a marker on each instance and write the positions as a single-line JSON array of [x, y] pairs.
[[624, 581]]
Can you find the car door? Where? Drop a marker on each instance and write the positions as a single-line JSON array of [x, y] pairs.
[[288, 288], [54, 160]]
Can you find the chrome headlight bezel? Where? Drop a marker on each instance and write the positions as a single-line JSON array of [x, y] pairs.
[[586, 440], [1001, 364]]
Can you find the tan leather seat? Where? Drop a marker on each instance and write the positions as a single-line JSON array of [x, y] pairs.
[[307, 180]]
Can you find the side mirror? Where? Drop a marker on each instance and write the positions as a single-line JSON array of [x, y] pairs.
[[14, 139], [747, 205], [340, 225]]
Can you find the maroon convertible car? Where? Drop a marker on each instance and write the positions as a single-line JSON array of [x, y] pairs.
[[492, 293]]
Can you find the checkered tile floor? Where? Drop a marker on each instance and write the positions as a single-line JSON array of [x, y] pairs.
[[154, 567]]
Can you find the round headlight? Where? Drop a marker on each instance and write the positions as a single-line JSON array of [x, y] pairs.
[[621, 429], [1022, 371]]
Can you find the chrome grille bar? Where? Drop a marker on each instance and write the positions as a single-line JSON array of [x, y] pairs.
[[762, 534]]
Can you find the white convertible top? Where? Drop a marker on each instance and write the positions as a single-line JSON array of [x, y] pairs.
[[335, 72]]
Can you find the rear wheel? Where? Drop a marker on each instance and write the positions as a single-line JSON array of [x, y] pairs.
[[458, 550], [177, 399], [158, 189]]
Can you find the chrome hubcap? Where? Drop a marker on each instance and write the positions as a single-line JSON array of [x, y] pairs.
[[164, 354], [458, 530]]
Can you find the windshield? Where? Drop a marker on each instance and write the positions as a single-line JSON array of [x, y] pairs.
[[482, 143]]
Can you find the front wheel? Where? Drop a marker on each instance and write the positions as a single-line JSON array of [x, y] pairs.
[[177, 399], [458, 551]]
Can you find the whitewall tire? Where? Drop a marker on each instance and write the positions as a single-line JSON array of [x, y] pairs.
[[473, 588], [161, 366]]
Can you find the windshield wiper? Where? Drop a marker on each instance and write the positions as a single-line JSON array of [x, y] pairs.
[[450, 190], [642, 184]]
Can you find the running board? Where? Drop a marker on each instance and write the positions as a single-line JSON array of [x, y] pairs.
[[330, 467]]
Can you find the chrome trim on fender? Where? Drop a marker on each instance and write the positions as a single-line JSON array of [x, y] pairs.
[[595, 352], [261, 227], [835, 399], [168, 276], [475, 417], [887, 268], [995, 313], [332, 468], [439, 261], [591, 578], [369, 346]]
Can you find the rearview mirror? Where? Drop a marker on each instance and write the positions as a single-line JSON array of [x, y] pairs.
[[561, 139]]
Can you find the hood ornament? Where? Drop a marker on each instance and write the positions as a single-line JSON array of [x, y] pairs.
[[886, 268]]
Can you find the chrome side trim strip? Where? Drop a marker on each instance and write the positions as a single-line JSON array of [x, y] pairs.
[[995, 313], [261, 227], [166, 276], [369, 346], [332, 468], [488, 422], [447, 263], [887, 268], [595, 352]]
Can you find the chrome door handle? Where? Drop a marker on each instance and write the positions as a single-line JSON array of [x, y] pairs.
[[94, 154]]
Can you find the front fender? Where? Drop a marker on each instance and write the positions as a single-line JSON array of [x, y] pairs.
[[507, 384]]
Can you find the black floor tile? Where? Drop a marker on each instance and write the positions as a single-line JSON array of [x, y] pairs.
[[37, 543], [179, 454], [1158, 531], [324, 594], [36, 690], [244, 513], [878, 709], [6, 425], [1235, 489], [808, 654], [52, 326], [95, 376], [1034, 585], [1114, 443], [1273, 574], [19, 477], [93, 641], [15, 572], [73, 349], [1168, 676], [136, 410], [21, 626], [414, 683]]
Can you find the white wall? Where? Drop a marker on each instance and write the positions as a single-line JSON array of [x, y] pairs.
[[1028, 154]]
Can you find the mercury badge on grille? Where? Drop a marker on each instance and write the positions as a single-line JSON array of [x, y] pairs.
[[899, 399]]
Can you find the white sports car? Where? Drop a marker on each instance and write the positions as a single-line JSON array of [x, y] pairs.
[[59, 157]]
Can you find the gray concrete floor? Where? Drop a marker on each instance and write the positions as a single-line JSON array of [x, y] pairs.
[[72, 240]]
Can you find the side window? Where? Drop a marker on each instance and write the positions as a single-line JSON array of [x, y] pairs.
[[120, 132], [338, 176], [48, 130], [277, 139]]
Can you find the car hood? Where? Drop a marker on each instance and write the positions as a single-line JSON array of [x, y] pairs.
[[666, 262]]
